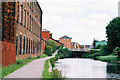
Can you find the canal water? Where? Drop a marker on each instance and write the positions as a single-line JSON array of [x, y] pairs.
[[87, 68]]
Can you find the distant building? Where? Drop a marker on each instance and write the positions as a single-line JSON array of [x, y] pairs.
[[75, 45], [86, 46], [103, 42], [46, 35], [66, 41]]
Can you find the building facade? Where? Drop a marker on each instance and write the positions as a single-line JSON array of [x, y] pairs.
[[66, 41], [21, 30], [46, 35], [75, 45]]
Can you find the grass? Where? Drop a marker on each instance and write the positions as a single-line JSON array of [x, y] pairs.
[[54, 75], [46, 73], [18, 64], [0, 72], [111, 59]]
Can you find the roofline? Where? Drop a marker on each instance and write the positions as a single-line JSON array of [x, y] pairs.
[[39, 6], [63, 38], [43, 40], [45, 31], [57, 41]]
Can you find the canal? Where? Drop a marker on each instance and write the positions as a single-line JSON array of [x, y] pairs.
[[87, 68]]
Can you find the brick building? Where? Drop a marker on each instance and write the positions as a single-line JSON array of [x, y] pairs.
[[66, 41], [75, 45], [21, 30], [46, 35]]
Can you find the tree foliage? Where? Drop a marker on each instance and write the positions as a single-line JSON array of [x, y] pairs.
[[116, 51], [94, 43], [113, 34], [50, 47]]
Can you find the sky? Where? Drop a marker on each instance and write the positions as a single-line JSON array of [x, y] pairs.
[[83, 20]]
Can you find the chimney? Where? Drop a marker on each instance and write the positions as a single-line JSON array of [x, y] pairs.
[[50, 35]]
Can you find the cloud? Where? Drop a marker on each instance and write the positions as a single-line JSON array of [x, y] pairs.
[[83, 20]]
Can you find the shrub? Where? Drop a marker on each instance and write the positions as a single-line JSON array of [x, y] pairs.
[[48, 50], [52, 61], [116, 51], [98, 46], [52, 44], [56, 74], [38, 56], [19, 62], [104, 50]]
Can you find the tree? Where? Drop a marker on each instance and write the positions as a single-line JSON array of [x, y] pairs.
[[52, 44], [116, 51], [98, 46], [94, 43], [113, 34], [50, 47], [48, 50]]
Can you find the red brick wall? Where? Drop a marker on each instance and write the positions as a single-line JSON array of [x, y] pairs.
[[66, 42], [43, 43], [45, 35], [8, 53]]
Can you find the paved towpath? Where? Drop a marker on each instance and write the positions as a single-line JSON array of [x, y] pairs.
[[33, 69]]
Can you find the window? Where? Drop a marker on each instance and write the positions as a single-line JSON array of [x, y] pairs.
[[23, 45], [31, 47], [18, 11], [37, 46], [21, 14], [20, 45], [30, 23], [24, 17], [27, 19], [16, 45], [27, 46]]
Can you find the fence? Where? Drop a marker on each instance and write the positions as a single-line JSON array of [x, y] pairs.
[[7, 53]]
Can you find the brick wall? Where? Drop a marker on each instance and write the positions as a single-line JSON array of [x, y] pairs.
[[21, 30], [66, 42], [8, 53]]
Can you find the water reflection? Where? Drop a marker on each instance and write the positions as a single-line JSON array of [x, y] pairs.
[[113, 70], [86, 68]]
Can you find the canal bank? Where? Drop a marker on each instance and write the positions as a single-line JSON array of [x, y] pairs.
[[77, 66], [108, 58]]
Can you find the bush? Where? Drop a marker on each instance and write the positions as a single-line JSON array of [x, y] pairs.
[[104, 50], [116, 51], [52, 44], [98, 46], [52, 61], [38, 56], [57, 74], [107, 58], [19, 62], [48, 50]]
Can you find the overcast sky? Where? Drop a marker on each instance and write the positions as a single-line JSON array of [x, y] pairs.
[[83, 20]]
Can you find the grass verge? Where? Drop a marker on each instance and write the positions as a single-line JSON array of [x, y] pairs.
[[110, 59], [18, 64], [46, 73], [54, 75]]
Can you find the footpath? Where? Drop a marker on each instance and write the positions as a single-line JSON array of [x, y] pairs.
[[33, 69]]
